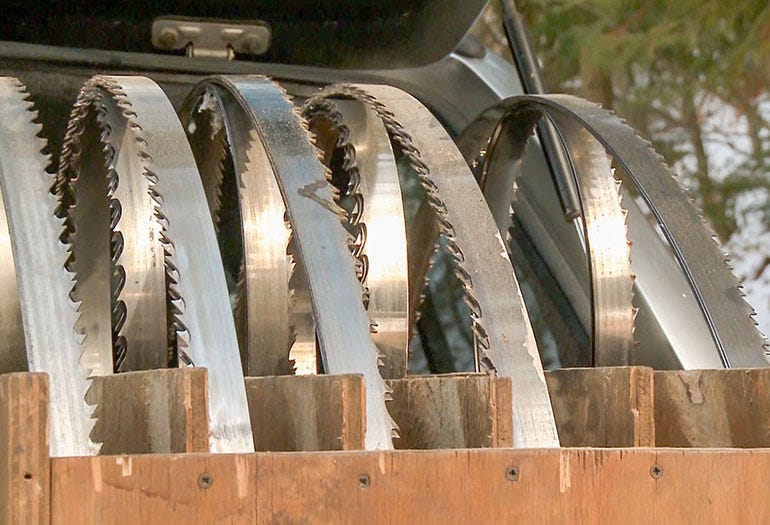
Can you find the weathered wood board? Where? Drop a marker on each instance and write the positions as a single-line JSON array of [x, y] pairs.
[[154, 411], [292, 413], [25, 467], [713, 408], [452, 411], [447, 486], [603, 407]]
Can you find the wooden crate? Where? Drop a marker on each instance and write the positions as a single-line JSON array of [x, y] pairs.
[[619, 407]]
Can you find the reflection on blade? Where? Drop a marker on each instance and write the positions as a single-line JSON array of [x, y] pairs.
[[147, 265], [254, 106], [501, 327], [370, 193]]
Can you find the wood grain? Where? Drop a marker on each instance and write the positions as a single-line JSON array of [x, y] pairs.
[[25, 469], [323, 412], [447, 486], [452, 411], [713, 408], [154, 411], [186, 488], [603, 407]]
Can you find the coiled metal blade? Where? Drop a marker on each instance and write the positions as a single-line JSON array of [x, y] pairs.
[[375, 216], [161, 289], [725, 313], [255, 106], [263, 297], [105, 190], [501, 326], [611, 282], [43, 284]]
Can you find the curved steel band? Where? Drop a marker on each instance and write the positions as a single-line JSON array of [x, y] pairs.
[[256, 107], [501, 325], [120, 278], [377, 217], [130, 178], [611, 282], [715, 288], [263, 296], [41, 281]]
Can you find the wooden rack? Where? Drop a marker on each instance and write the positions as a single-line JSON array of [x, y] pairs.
[[156, 468]]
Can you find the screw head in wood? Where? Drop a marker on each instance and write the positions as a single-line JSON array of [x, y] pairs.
[[656, 471], [512, 473], [364, 481], [205, 480]]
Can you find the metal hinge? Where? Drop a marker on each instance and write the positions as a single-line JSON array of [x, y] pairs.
[[206, 38]]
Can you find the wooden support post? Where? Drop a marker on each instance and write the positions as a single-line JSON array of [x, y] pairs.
[[292, 413], [154, 411], [603, 407], [713, 408], [452, 411], [25, 467]]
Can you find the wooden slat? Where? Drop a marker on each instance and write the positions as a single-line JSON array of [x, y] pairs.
[[323, 412], [192, 488], [155, 411], [447, 486], [603, 407], [713, 408], [25, 470], [452, 411]]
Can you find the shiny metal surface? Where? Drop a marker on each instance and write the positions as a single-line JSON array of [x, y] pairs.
[[457, 88], [48, 313], [725, 311], [255, 106], [197, 291], [500, 323], [670, 308], [263, 299], [172, 235], [603, 219], [376, 218], [736, 340], [13, 353], [117, 256], [303, 354], [210, 38]]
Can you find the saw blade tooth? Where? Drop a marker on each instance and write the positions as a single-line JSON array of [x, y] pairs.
[[239, 313], [68, 176], [629, 245], [116, 119], [207, 124], [221, 154], [175, 310], [623, 253], [302, 339]]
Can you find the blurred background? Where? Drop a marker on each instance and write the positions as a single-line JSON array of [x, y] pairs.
[[690, 75]]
